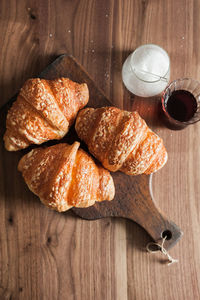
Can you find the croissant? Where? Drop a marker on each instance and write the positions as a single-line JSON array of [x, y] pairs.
[[121, 140], [64, 176], [44, 110]]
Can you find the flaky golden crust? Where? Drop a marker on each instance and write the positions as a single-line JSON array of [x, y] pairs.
[[121, 140], [44, 110], [64, 176]]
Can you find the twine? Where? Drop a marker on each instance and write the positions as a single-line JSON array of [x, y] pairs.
[[162, 249]]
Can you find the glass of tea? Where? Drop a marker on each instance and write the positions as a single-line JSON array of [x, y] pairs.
[[181, 103]]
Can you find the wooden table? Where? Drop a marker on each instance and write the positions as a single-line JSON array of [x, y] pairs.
[[46, 255]]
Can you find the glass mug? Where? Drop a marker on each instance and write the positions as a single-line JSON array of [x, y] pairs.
[[181, 103], [146, 71]]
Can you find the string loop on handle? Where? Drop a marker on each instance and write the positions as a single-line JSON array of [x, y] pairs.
[[150, 247]]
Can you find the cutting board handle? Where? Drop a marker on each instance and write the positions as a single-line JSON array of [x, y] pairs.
[[153, 221], [134, 201]]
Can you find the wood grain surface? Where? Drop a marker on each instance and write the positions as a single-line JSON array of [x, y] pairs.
[[46, 255]]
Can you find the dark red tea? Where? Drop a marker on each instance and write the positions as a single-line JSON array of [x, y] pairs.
[[181, 105]]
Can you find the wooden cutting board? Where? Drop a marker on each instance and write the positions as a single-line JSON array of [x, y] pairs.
[[133, 198]]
